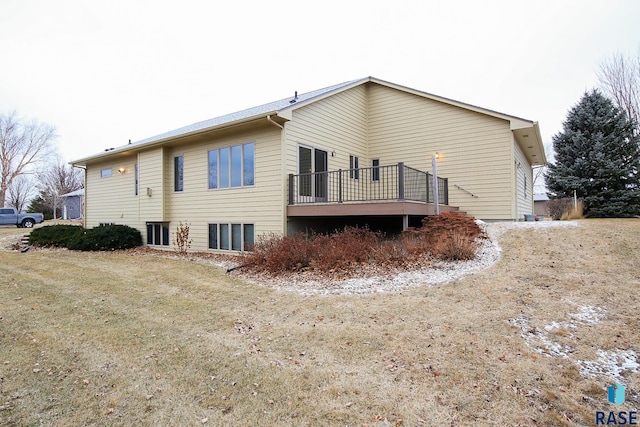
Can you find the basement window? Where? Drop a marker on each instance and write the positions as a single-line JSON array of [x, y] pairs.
[[231, 237], [158, 233]]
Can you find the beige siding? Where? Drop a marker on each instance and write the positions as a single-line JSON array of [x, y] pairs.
[[261, 204], [152, 186], [111, 199], [371, 121], [475, 149], [523, 183], [337, 124]]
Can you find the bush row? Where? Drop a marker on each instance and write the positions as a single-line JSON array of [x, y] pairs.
[[101, 238], [447, 237]]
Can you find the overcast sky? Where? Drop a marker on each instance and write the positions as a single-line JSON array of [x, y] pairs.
[[104, 72]]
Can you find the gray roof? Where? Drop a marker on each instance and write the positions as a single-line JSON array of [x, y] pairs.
[[79, 192], [245, 114], [283, 108]]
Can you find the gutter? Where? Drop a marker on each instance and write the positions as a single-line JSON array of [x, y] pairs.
[[270, 120], [160, 141]]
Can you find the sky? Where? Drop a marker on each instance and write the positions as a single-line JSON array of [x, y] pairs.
[[106, 72]]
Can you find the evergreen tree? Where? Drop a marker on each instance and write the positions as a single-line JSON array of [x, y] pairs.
[[598, 156], [38, 204]]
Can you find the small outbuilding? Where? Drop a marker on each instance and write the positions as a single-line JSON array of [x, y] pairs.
[[73, 204]]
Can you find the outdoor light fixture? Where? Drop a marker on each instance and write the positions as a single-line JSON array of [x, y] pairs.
[[120, 170], [434, 165]]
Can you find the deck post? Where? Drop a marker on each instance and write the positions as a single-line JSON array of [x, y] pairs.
[[436, 198], [339, 185], [400, 181], [427, 175], [405, 222], [291, 189], [446, 190]]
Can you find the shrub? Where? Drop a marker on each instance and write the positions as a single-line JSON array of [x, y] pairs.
[[277, 254], [54, 235], [447, 237], [565, 208], [181, 241], [450, 222], [342, 249], [454, 246], [105, 238], [576, 211]]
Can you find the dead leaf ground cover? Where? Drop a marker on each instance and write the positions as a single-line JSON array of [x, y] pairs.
[[124, 339]]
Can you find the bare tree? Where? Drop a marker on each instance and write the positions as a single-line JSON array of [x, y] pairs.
[[20, 192], [23, 145], [57, 179], [619, 78]]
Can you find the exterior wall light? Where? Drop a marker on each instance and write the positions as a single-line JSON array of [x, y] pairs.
[[436, 196], [121, 170]]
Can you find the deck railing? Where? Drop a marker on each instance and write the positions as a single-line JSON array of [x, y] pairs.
[[379, 183]]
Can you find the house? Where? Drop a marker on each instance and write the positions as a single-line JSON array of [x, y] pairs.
[[540, 204], [360, 152], [72, 204]]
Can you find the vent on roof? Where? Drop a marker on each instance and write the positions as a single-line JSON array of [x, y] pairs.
[[295, 98]]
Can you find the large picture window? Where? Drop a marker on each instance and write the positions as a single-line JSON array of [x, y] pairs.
[[231, 237], [232, 167]]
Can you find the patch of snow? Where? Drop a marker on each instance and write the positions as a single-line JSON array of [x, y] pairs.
[[589, 314], [539, 340], [612, 364]]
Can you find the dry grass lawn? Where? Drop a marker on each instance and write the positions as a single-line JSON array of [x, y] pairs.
[[120, 339]]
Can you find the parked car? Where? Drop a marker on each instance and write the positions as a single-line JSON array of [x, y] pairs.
[[10, 216]]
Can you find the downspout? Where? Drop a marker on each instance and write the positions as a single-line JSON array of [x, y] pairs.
[[270, 120], [283, 172], [84, 198]]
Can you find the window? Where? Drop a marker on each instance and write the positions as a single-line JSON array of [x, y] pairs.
[[158, 233], [105, 173], [224, 236], [236, 166], [224, 168], [178, 173], [213, 169], [235, 237], [248, 238], [135, 174], [232, 166], [375, 170], [248, 163], [353, 167]]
